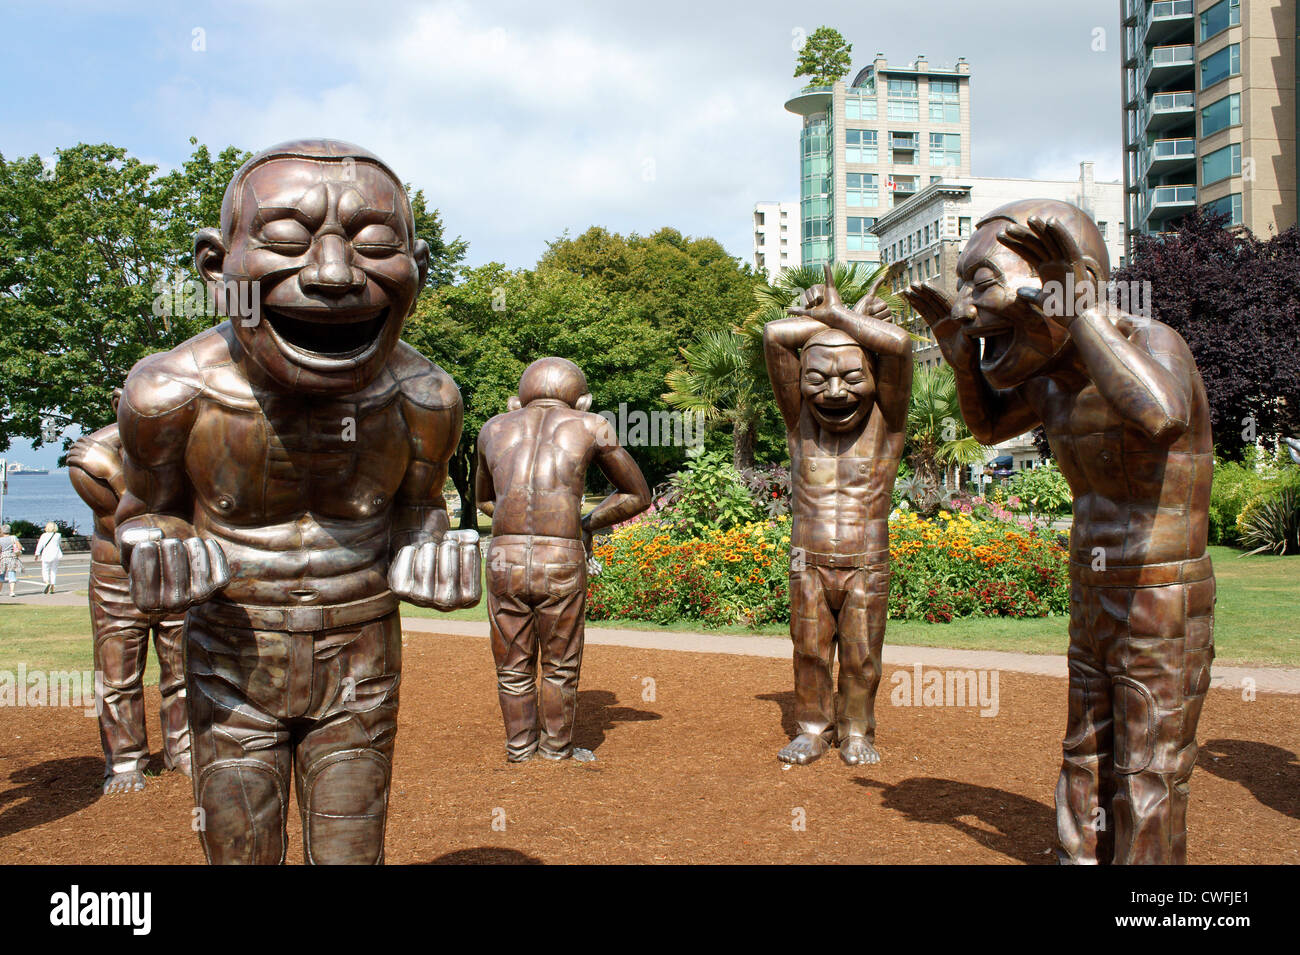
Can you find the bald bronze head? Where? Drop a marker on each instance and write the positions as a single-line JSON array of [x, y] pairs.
[[325, 231], [1017, 339], [553, 379], [837, 380]]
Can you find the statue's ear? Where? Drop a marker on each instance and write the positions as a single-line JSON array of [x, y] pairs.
[[421, 253], [514, 404], [584, 403], [209, 254]]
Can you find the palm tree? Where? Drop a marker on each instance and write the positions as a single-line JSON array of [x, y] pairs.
[[722, 377], [937, 435]]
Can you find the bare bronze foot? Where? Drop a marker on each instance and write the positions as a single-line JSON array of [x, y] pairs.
[[132, 782], [856, 751], [803, 749]]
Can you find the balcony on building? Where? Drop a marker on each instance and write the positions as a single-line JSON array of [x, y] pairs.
[[1165, 156], [1169, 21], [810, 100], [1168, 64], [1162, 203], [1168, 110]]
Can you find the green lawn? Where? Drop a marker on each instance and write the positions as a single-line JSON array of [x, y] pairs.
[[1258, 598]]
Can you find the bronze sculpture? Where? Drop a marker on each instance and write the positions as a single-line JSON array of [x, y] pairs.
[[1126, 415], [284, 484], [532, 467], [842, 378], [121, 631]]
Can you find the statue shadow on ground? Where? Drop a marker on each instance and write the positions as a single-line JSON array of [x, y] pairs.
[[1011, 825], [785, 700], [597, 714], [485, 855], [48, 791], [1271, 773]]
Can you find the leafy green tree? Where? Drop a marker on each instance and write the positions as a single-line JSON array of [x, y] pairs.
[[82, 244], [722, 377], [824, 57], [937, 436], [488, 326], [444, 254]]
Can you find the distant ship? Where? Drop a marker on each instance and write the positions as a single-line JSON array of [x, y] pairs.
[[17, 467]]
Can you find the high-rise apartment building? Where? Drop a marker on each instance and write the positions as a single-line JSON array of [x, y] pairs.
[[1209, 112], [872, 144], [776, 236]]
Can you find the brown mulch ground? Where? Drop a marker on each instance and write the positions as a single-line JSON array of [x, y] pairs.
[[688, 777]]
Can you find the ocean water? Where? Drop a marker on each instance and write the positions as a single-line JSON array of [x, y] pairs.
[[45, 497]]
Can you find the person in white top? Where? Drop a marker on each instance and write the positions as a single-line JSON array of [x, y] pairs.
[[50, 550]]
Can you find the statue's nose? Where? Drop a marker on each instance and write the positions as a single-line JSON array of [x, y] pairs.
[[332, 273]]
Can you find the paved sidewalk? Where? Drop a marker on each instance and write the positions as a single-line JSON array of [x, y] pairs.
[[1266, 679]]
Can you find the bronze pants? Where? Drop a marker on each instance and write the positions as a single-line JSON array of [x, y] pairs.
[[844, 607], [121, 634], [1141, 642], [323, 703], [537, 595]]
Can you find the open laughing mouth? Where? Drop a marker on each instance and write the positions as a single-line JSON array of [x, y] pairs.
[[994, 341], [321, 333], [837, 412]]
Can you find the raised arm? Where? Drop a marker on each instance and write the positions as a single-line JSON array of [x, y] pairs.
[[631, 494], [782, 340], [867, 322], [1144, 377]]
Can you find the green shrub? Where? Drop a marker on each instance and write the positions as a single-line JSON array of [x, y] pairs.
[[709, 494], [1238, 485], [1041, 491]]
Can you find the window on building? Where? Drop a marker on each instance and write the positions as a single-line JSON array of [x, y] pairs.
[[1221, 164], [963, 226], [927, 236], [945, 149], [945, 105], [1101, 227], [1219, 66], [903, 99], [1229, 204], [860, 146], [859, 238], [862, 189], [858, 106], [904, 188], [1226, 13], [1221, 114]]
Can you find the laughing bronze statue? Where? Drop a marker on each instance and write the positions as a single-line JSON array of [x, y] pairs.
[[532, 468], [842, 379], [284, 484], [1034, 340], [121, 631]]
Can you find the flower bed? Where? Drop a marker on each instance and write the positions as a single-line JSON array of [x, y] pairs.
[[952, 566]]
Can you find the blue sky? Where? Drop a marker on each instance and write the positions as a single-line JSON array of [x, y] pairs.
[[523, 120]]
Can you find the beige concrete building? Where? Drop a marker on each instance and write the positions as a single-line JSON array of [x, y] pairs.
[[776, 236], [869, 146], [1209, 93]]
